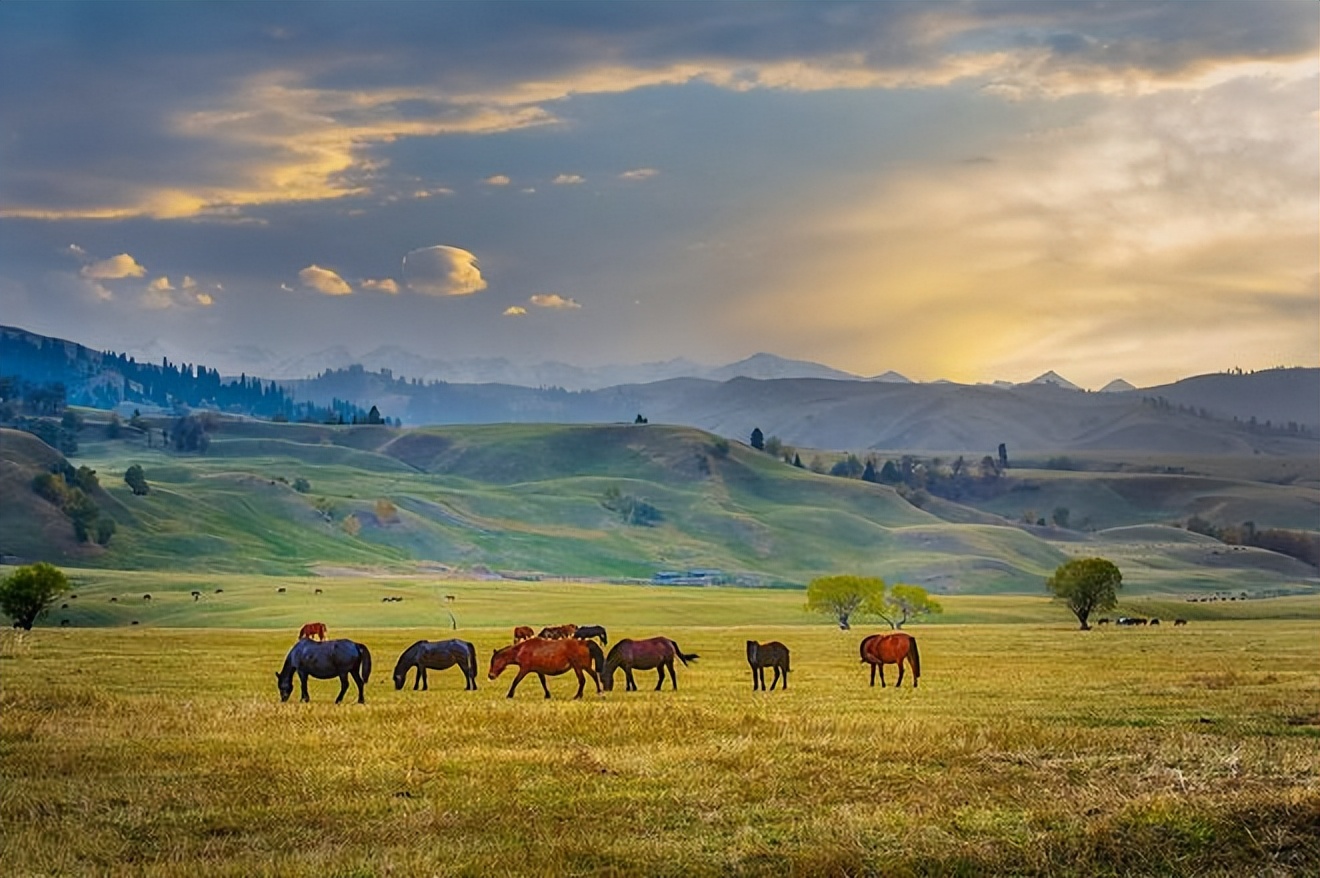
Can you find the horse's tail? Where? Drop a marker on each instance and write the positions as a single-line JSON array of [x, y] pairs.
[[365, 662], [597, 657], [684, 658], [472, 657], [862, 648], [916, 656]]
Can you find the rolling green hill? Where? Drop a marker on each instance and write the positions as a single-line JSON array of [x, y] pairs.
[[551, 501]]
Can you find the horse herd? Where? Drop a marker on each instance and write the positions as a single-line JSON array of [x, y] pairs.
[[554, 651]]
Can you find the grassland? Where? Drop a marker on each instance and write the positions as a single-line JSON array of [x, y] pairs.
[[1029, 748]]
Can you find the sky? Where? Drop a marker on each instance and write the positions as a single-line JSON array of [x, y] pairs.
[[962, 191]]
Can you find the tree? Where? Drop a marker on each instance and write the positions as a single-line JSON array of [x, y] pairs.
[[903, 603], [301, 485], [1086, 585], [869, 474], [373, 416], [842, 597], [889, 474], [797, 461], [137, 480], [639, 419], [1061, 516], [28, 592], [1003, 457], [774, 446], [758, 439]]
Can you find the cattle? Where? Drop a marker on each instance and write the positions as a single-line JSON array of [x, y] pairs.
[[146, 597], [1105, 620], [280, 590], [1131, 620], [1154, 621], [449, 598], [134, 622], [318, 591], [219, 591], [114, 600], [1177, 622], [197, 595]]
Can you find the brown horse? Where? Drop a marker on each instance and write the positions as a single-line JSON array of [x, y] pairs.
[[558, 632], [541, 656], [892, 649], [655, 653], [767, 655], [521, 633], [312, 629]]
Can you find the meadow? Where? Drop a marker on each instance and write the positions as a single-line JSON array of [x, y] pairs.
[[1029, 747]]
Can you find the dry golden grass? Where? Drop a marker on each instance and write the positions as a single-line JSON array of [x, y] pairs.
[[1027, 749]]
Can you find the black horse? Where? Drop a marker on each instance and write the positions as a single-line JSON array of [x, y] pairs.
[[767, 655], [437, 655], [585, 632], [324, 660]]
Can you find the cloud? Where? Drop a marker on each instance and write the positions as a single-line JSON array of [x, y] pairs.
[[554, 301], [432, 193], [386, 285], [497, 180], [161, 294], [160, 285], [514, 311], [568, 180], [323, 280], [442, 270], [114, 268], [639, 174]]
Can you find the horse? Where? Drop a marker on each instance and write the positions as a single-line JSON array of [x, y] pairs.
[[324, 660], [892, 649], [767, 655], [558, 632], [541, 656], [437, 655], [586, 632], [655, 653], [522, 632], [312, 629]]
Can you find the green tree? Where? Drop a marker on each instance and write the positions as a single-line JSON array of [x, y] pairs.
[[1061, 516], [301, 485], [28, 592], [1086, 585], [105, 529], [774, 446], [137, 480], [845, 596], [869, 474], [758, 439], [903, 603]]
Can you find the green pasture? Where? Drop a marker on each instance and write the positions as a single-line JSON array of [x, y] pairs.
[[1028, 749]]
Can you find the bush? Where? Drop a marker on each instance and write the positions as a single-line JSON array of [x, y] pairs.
[[137, 480]]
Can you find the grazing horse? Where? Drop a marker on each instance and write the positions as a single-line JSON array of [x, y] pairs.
[[586, 632], [892, 649], [523, 632], [437, 655], [312, 629], [655, 653], [767, 655], [325, 660], [541, 656], [1177, 622], [558, 632]]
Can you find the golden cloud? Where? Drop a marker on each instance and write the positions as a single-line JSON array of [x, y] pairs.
[[554, 301], [514, 311], [442, 270], [386, 285], [114, 268], [323, 280]]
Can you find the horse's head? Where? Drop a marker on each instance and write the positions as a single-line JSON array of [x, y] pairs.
[[285, 684], [399, 679], [499, 660], [607, 677]]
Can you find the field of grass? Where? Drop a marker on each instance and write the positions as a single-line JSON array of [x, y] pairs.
[[1029, 748]]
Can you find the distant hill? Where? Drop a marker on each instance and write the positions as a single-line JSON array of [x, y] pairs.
[[1270, 412]]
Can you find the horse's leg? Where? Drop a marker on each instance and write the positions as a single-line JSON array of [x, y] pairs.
[[582, 683], [343, 687], [775, 681], [302, 678], [516, 681], [543, 686], [785, 675], [899, 684], [417, 680], [914, 671], [357, 678], [660, 682], [425, 684], [632, 684], [673, 678], [595, 677], [881, 666], [872, 673]]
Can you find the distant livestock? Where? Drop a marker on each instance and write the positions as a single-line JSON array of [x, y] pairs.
[[219, 591], [64, 606], [280, 590], [1104, 620], [114, 600], [318, 591], [312, 630], [587, 632], [523, 632], [558, 632], [1177, 622], [1154, 621], [146, 597], [449, 598], [197, 595], [1131, 620], [390, 599]]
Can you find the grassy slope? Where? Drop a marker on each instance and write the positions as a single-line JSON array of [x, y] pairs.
[[1028, 749], [528, 497]]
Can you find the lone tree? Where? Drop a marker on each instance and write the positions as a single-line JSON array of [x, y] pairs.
[[1086, 585], [758, 439], [29, 591], [137, 480], [903, 603], [842, 597]]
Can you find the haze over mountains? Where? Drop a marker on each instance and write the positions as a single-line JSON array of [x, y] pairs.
[[806, 405]]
